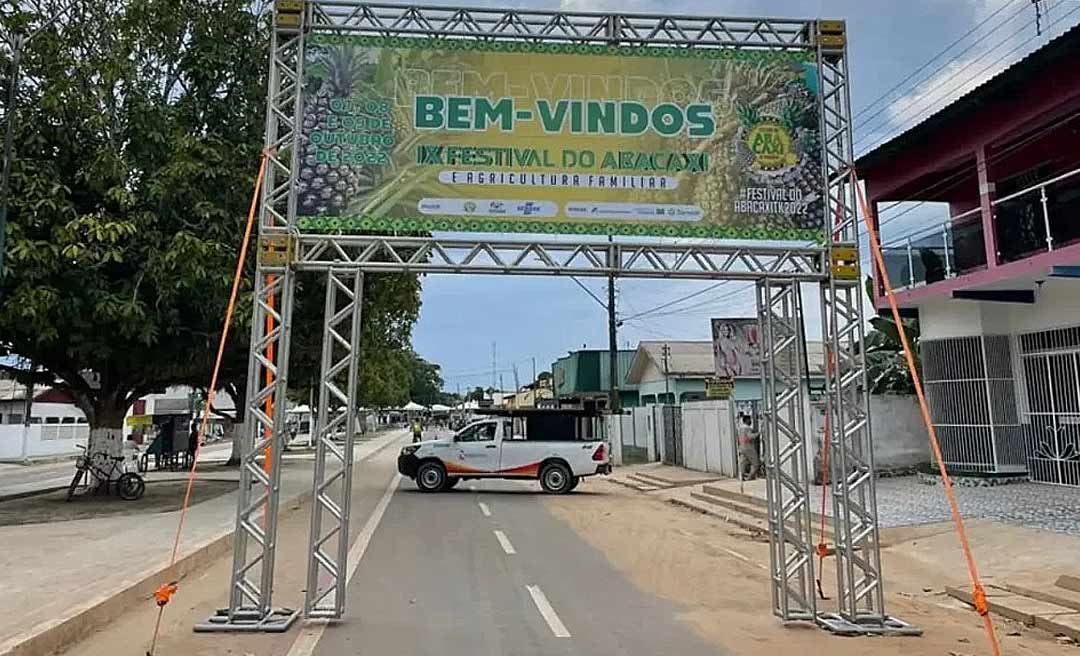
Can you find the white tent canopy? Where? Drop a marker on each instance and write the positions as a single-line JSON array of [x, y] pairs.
[[438, 407], [413, 406]]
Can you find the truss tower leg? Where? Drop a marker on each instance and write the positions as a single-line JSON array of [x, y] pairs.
[[784, 447], [252, 580], [329, 543]]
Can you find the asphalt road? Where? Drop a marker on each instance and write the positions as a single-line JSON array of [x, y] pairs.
[[491, 572]]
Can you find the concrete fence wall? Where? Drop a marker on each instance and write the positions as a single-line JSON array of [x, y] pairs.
[[708, 439], [900, 439], [18, 442]]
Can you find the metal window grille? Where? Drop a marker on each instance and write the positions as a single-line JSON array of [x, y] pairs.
[[971, 391]]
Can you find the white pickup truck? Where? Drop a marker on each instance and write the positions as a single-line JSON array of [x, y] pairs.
[[557, 448]]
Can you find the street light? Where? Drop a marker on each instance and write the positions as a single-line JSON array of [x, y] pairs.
[[17, 43]]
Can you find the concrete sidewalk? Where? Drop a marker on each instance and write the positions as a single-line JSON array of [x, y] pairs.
[[16, 479], [55, 571]]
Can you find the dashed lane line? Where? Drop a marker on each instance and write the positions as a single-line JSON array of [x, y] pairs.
[[504, 542], [548, 613]]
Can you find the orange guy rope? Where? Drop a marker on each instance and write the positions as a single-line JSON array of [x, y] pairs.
[[822, 548], [165, 592], [978, 593], [267, 452]]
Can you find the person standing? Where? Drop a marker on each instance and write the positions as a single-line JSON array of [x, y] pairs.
[[193, 443], [749, 455]]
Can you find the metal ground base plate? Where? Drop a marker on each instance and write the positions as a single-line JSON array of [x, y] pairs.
[[889, 627], [276, 621]]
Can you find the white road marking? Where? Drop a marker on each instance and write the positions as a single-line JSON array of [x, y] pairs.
[[484, 509], [542, 605], [504, 542], [743, 558], [311, 633]]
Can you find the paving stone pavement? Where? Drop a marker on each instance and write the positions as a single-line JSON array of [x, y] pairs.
[[904, 501]]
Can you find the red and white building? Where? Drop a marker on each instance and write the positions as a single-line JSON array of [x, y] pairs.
[[996, 282]]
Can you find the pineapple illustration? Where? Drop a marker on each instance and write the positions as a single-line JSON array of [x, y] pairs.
[[327, 188]]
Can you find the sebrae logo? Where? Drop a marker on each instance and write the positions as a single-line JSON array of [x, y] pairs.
[[470, 206]]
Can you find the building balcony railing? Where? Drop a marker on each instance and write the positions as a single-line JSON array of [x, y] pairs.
[[1038, 219], [951, 249], [1034, 220]]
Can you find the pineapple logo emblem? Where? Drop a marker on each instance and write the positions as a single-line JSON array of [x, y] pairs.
[[772, 146], [767, 139]]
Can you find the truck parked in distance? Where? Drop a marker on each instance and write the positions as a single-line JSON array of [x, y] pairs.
[[558, 447]]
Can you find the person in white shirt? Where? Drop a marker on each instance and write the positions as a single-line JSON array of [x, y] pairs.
[[749, 456]]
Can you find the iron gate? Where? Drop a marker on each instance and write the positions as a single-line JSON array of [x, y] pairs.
[[1052, 378], [669, 424]]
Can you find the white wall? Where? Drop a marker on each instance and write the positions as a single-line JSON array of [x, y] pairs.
[[1055, 307], [42, 440], [707, 437], [900, 436]]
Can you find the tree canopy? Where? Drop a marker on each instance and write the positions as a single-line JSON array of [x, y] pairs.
[[139, 129]]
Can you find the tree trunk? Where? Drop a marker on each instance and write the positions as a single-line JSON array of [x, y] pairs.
[[107, 428]]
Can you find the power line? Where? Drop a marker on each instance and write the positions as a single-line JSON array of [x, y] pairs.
[[678, 300], [997, 61], [701, 304], [885, 108], [899, 84], [589, 292]]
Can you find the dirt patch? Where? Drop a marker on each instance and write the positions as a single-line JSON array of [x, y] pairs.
[[163, 496], [719, 576]]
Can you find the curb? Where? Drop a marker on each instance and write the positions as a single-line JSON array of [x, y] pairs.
[[49, 637]]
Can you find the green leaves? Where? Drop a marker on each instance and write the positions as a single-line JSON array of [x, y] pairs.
[[140, 125], [886, 365]]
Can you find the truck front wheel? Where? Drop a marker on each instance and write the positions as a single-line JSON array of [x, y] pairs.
[[431, 477], [555, 478]]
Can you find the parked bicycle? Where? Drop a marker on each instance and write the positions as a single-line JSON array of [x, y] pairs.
[[102, 468]]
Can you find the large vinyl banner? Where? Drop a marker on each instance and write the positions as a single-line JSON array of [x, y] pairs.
[[414, 134]]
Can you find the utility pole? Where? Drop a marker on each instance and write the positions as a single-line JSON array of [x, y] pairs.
[[666, 350], [493, 365], [534, 370], [517, 382], [613, 347]]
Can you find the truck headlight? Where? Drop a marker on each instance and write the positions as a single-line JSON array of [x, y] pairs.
[[409, 450]]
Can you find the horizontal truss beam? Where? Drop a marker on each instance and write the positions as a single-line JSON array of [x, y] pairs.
[[374, 254], [381, 19]]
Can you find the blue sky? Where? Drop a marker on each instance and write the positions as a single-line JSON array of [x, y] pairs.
[[543, 318]]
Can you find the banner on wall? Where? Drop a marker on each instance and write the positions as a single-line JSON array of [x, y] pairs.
[[736, 347], [426, 134]]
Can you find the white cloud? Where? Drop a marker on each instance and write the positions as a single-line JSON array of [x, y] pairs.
[[1004, 40]]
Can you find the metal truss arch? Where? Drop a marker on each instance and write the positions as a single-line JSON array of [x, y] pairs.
[[778, 270]]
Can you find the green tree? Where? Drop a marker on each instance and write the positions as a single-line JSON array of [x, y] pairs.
[[140, 127], [886, 367], [426, 385]]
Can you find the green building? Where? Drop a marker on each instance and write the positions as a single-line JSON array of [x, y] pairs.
[[584, 375]]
